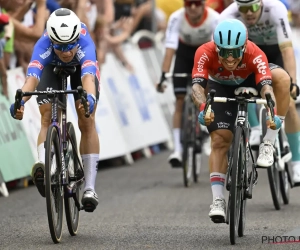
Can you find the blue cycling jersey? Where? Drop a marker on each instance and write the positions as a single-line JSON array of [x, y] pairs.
[[43, 54]]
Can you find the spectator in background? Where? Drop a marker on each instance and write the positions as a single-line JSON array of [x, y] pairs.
[[218, 5], [5, 35]]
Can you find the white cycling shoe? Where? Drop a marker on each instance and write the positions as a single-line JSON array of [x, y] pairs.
[[218, 210], [265, 158], [175, 159], [296, 173]]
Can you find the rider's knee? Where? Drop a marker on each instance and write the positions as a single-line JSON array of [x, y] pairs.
[[221, 140], [45, 111], [86, 124], [179, 102], [281, 81]]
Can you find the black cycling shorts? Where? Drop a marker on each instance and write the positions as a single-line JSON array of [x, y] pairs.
[[184, 63], [51, 81], [225, 113]]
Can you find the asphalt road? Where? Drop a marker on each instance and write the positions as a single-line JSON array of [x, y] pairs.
[[145, 206]]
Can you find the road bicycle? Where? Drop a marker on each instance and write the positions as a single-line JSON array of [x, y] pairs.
[[63, 168], [192, 137], [241, 175]]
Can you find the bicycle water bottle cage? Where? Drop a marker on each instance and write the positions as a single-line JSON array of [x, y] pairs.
[[246, 92], [64, 71]]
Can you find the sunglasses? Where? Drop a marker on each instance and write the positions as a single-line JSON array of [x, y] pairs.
[[65, 47], [235, 53], [253, 8], [190, 3]]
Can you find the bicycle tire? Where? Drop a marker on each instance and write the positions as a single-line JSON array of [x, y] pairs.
[[283, 176], [235, 186], [273, 173], [284, 185], [242, 220], [187, 146], [197, 150], [71, 211], [53, 185]]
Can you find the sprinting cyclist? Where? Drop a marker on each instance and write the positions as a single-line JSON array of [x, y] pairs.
[[269, 28], [66, 42], [188, 28], [228, 62]]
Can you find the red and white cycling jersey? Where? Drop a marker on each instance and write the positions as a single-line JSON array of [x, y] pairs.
[[179, 28], [208, 66]]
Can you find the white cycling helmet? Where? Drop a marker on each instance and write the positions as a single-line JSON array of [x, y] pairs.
[[63, 26], [246, 2]]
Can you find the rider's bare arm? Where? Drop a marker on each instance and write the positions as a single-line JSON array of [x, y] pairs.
[[289, 60], [30, 85], [88, 84], [198, 94], [168, 59]]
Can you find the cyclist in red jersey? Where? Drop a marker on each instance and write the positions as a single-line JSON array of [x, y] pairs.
[[228, 62]]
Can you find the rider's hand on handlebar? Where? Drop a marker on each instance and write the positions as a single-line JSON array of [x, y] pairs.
[[275, 124], [294, 91], [160, 87], [206, 119], [20, 112]]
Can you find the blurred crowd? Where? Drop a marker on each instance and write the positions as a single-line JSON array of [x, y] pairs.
[[110, 22]]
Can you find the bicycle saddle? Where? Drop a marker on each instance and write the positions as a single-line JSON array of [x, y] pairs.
[[66, 71], [246, 91]]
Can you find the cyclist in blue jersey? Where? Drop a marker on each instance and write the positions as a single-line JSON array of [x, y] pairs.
[[66, 42]]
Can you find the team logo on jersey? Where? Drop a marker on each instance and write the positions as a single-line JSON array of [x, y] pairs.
[[35, 64], [261, 66], [83, 31], [88, 63], [47, 53], [220, 69], [203, 58]]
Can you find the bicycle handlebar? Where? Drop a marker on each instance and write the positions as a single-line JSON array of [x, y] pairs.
[[268, 101], [80, 91]]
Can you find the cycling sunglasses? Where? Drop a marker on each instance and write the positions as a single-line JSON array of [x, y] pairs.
[[253, 8], [235, 53], [65, 47], [190, 3]]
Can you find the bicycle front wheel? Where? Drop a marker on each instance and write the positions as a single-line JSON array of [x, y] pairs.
[[53, 186], [273, 173], [238, 164], [71, 211]]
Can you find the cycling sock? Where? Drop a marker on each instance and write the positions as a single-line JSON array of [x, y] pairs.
[[176, 136], [252, 115], [89, 162], [271, 134], [41, 152], [217, 184], [294, 141]]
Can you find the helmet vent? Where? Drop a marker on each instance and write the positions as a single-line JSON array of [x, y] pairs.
[[237, 38], [221, 38], [62, 12], [229, 35]]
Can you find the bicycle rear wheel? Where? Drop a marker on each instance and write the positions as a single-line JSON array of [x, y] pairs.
[[273, 173], [187, 143], [71, 210], [238, 164], [53, 187]]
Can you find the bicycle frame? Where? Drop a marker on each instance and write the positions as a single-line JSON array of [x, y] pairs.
[[61, 128]]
